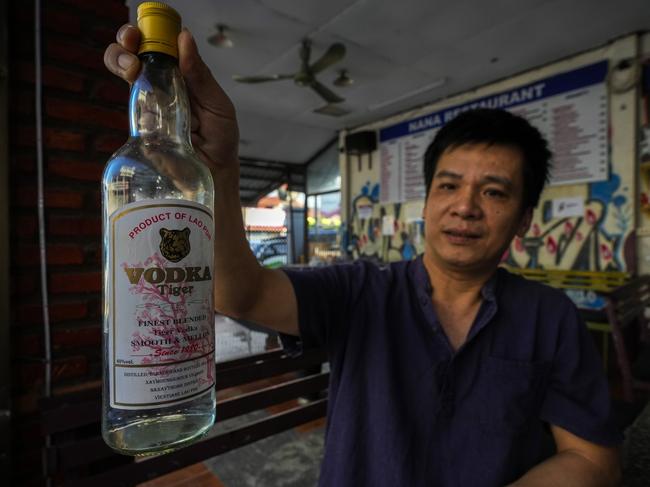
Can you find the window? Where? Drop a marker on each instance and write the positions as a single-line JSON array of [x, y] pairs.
[[324, 226], [267, 235], [275, 229]]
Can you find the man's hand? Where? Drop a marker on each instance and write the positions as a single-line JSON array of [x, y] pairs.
[[215, 135], [577, 462]]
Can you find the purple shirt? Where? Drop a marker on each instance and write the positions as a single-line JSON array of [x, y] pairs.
[[405, 410]]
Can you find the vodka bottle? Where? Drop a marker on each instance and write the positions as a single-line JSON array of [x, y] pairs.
[[158, 391]]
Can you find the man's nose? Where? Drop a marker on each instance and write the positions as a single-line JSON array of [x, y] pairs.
[[467, 204]]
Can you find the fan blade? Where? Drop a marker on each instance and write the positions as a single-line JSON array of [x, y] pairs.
[[305, 52], [261, 79], [328, 95], [334, 54]]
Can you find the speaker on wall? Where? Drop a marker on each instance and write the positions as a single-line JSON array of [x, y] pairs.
[[362, 142]]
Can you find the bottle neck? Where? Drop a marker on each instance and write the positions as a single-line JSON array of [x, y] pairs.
[[158, 106]]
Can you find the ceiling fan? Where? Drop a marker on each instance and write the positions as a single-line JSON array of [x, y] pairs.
[[306, 76]]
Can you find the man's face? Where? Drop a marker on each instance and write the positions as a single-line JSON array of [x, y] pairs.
[[474, 207]]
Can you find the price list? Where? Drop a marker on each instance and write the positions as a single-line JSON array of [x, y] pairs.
[[569, 109]]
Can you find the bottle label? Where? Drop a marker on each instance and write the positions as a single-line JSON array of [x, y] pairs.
[[160, 304]]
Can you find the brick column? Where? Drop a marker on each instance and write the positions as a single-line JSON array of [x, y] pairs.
[[84, 121]]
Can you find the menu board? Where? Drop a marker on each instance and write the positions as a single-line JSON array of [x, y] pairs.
[[570, 109]]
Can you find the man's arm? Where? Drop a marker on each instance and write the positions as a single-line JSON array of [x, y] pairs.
[[577, 462], [243, 288]]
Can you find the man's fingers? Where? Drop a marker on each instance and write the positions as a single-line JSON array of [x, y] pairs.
[[121, 62], [121, 58], [128, 36], [202, 85]]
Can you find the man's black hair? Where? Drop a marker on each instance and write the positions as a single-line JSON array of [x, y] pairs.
[[495, 127]]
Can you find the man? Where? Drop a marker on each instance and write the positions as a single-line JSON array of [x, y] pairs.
[[444, 370]]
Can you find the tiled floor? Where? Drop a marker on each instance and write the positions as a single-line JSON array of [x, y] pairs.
[[290, 459], [196, 476]]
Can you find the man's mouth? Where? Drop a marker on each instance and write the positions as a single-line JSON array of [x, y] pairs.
[[462, 233]]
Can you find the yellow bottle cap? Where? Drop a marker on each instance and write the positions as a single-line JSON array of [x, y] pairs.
[[160, 25]]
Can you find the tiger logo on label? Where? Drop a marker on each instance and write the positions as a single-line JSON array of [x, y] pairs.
[[175, 244]]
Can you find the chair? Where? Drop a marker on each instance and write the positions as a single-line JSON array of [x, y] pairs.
[[628, 312], [636, 451]]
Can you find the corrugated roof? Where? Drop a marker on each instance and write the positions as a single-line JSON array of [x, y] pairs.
[[258, 178]]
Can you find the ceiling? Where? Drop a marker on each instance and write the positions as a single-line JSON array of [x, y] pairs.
[[396, 51]]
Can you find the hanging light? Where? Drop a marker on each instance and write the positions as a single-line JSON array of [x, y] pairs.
[[221, 39], [343, 79]]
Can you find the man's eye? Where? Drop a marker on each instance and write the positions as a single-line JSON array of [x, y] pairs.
[[446, 186], [495, 193]]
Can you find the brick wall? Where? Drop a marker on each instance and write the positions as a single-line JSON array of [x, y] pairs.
[[84, 121]]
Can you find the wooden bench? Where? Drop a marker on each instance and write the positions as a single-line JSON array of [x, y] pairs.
[[76, 455], [600, 283]]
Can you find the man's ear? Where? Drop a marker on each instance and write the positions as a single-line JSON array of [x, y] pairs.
[[524, 223], [426, 201]]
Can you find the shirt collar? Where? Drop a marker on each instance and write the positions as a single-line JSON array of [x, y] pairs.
[[423, 284]]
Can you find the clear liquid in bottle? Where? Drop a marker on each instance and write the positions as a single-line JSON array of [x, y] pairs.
[[158, 391]]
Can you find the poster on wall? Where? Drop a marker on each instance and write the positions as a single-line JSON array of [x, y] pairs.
[[570, 109]]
